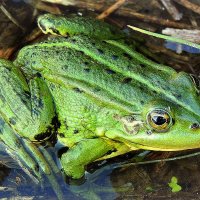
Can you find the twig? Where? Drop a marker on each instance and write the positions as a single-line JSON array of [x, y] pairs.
[[111, 9], [147, 18], [4, 10], [165, 37], [172, 10], [117, 165], [191, 6], [190, 35], [63, 2]]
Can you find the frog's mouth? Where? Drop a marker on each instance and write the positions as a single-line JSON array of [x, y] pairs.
[[171, 140], [133, 145]]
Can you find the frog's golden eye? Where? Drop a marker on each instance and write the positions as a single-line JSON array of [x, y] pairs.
[[159, 119]]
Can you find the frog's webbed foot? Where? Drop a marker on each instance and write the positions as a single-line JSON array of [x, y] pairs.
[[48, 166]]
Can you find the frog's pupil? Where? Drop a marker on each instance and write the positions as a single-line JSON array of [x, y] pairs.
[[158, 120]]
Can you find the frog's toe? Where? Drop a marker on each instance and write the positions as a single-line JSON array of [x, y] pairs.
[[72, 170]]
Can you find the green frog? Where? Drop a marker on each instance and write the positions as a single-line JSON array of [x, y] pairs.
[[99, 94]]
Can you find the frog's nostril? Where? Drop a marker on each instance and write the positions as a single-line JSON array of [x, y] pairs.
[[195, 126]]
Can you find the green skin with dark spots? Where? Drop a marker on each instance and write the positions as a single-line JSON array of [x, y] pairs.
[[102, 92]]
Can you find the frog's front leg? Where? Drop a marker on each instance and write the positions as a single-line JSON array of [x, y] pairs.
[[83, 153]]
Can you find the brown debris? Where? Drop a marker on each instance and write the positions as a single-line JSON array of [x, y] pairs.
[[125, 12], [153, 19], [7, 53], [8, 14], [111, 9], [48, 8], [191, 6], [172, 10]]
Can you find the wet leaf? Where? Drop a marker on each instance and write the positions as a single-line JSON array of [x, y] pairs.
[[174, 185]]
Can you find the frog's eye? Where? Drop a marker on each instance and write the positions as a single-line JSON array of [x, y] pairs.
[[159, 119]]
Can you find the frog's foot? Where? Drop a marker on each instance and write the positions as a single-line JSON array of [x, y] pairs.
[[33, 158], [91, 189]]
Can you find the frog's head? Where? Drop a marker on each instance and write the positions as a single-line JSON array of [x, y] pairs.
[[169, 127], [162, 126], [165, 124]]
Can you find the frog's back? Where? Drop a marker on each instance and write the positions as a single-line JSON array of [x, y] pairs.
[[111, 72], [107, 70]]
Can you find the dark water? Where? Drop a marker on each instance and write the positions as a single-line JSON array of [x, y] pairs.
[[149, 181]]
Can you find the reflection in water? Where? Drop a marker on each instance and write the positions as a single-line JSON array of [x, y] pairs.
[[95, 185], [108, 182]]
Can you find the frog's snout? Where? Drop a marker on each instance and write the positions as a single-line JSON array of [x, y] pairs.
[[195, 126]]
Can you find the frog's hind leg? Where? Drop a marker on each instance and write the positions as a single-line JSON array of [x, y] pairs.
[[12, 84], [26, 110]]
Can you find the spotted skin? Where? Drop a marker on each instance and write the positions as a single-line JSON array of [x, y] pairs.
[[108, 99]]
